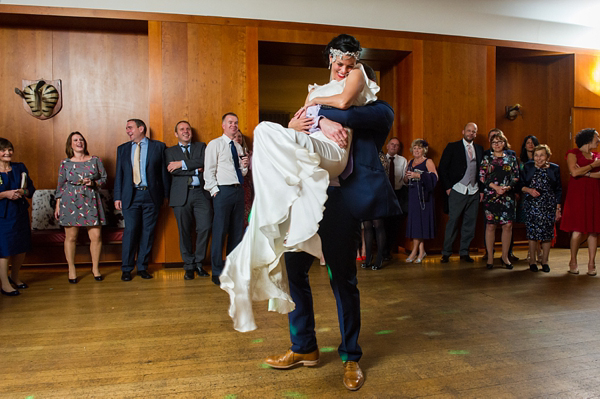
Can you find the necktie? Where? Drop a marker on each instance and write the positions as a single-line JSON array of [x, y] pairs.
[[470, 151], [236, 161], [392, 173], [186, 155], [137, 176]]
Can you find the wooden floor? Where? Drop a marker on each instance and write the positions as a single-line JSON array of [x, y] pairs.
[[434, 330]]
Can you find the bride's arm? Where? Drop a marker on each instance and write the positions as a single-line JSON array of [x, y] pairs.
[[355, 82]]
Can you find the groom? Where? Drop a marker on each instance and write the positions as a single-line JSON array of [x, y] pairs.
[[365, 194]]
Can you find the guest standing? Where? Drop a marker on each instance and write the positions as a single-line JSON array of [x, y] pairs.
[[396, 170], [78, 202], [421, 177], [526, 155], [15, 232], [580, 215], [499, 174], [540, 183]]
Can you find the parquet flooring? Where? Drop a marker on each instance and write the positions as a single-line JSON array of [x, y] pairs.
[[433, 330]]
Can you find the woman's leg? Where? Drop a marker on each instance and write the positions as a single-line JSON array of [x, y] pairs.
[[592, 245], [490, 237], [380, 238], [545, 251], [533, 244], [574, 245], [415, 249], [16, 261], [506, 239], [368, 240], [421, 249], [95, 234], [70, 243], [4, 276]]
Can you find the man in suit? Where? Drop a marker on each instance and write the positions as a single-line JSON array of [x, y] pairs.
[[365, 193], [396, 172], [225, 166], [458, 171], [189, 200], [141, 184]]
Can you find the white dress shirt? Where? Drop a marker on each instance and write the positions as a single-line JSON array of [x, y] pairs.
[[399, 170], [470, 189], [219, 169]]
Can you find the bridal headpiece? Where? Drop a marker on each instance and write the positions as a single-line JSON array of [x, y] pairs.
[[335, 54]]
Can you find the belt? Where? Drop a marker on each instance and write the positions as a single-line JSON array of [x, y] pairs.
[[142, 188]]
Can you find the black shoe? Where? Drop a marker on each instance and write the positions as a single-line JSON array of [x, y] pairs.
[[201, 272], [546, 268], [73, 280], [144, 274], [98, 278], [467, 258], [512, 258], [509, 266], [533, 267], [490, 265], [215, 279], [365, 265], [189, 275], [19, 286], [12, 293], [126, 276], [376, 267], [445, 258]]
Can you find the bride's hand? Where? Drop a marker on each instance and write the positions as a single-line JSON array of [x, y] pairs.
[[300, 113], [301, 124]]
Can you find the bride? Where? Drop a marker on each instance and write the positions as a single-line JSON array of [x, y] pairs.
[[292, 168]]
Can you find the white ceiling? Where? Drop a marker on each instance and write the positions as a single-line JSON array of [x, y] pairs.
[[573, 23]]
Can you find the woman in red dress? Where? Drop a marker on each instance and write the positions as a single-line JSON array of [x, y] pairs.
[[583, 196]]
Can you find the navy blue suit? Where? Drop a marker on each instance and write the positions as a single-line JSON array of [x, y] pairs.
[[365, 194], [140, 207]]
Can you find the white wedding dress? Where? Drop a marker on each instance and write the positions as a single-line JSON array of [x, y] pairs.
[[291, 171]]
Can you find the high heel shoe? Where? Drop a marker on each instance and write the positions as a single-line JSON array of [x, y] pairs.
[[533, 267], [592, 272], [409, 260], [419, 260], [21, 286], [11, 293], [73, 280], [98, 278], [509, 266]]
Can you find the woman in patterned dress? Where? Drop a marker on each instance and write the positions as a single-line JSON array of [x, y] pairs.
[[541, 186], [581, 215], [78, 202], [499, 173]]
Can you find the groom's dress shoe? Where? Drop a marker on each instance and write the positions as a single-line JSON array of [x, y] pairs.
[[291, 359], [353, 376], [144, 274]]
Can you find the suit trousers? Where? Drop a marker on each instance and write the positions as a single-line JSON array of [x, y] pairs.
[[140, 221], [340, 235], [228, 206], [198, 209], [468, 206]]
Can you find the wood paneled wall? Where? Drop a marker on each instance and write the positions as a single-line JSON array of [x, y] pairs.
[[198, 68]]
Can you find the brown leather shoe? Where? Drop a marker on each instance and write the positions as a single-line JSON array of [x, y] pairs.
[[291, 359], [353, 376]]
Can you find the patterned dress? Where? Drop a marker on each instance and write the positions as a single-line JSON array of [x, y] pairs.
[[540, 212], [503, 171], [80, 205]]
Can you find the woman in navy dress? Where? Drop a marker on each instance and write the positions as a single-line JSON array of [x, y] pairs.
[[15, 231], [421, 177]]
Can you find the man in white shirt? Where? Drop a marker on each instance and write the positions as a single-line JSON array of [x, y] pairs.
[[396, 172], [225, 166], [458, 171]]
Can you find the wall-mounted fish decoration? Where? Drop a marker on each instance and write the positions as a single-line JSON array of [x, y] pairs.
[[42, 99]]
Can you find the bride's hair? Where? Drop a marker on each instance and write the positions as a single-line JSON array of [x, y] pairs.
[[344, 43]]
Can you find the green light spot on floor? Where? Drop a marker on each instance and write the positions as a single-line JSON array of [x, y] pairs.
[[323, 329], [31, 397], [265, 366], [329, 272], [344, 357], [257, 341], [539, 331], [452, 311], [404, 317], [384, 332], [365, 310], [230, 396], [327, 349], [294, 395], [458, 352], [432, 333]]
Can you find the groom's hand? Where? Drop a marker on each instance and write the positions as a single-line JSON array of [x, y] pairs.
[[334, 131]]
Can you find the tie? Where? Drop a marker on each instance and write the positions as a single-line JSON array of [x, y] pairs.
[[236, 161], [137, 176], [186, 155], [470, 151], [392, 173]]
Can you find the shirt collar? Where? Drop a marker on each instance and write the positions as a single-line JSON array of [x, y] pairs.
[[143, 141], [185, 145], [466, 143]]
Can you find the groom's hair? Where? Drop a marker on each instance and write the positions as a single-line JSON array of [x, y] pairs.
[[370, 72]]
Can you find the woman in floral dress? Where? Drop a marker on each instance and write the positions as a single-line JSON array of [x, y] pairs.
[[499, 173], [78, 202]]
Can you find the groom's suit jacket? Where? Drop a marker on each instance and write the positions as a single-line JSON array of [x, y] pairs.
[[179, 184], [367, 191]]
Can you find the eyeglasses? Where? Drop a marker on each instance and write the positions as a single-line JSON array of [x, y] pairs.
[[497, 142]]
